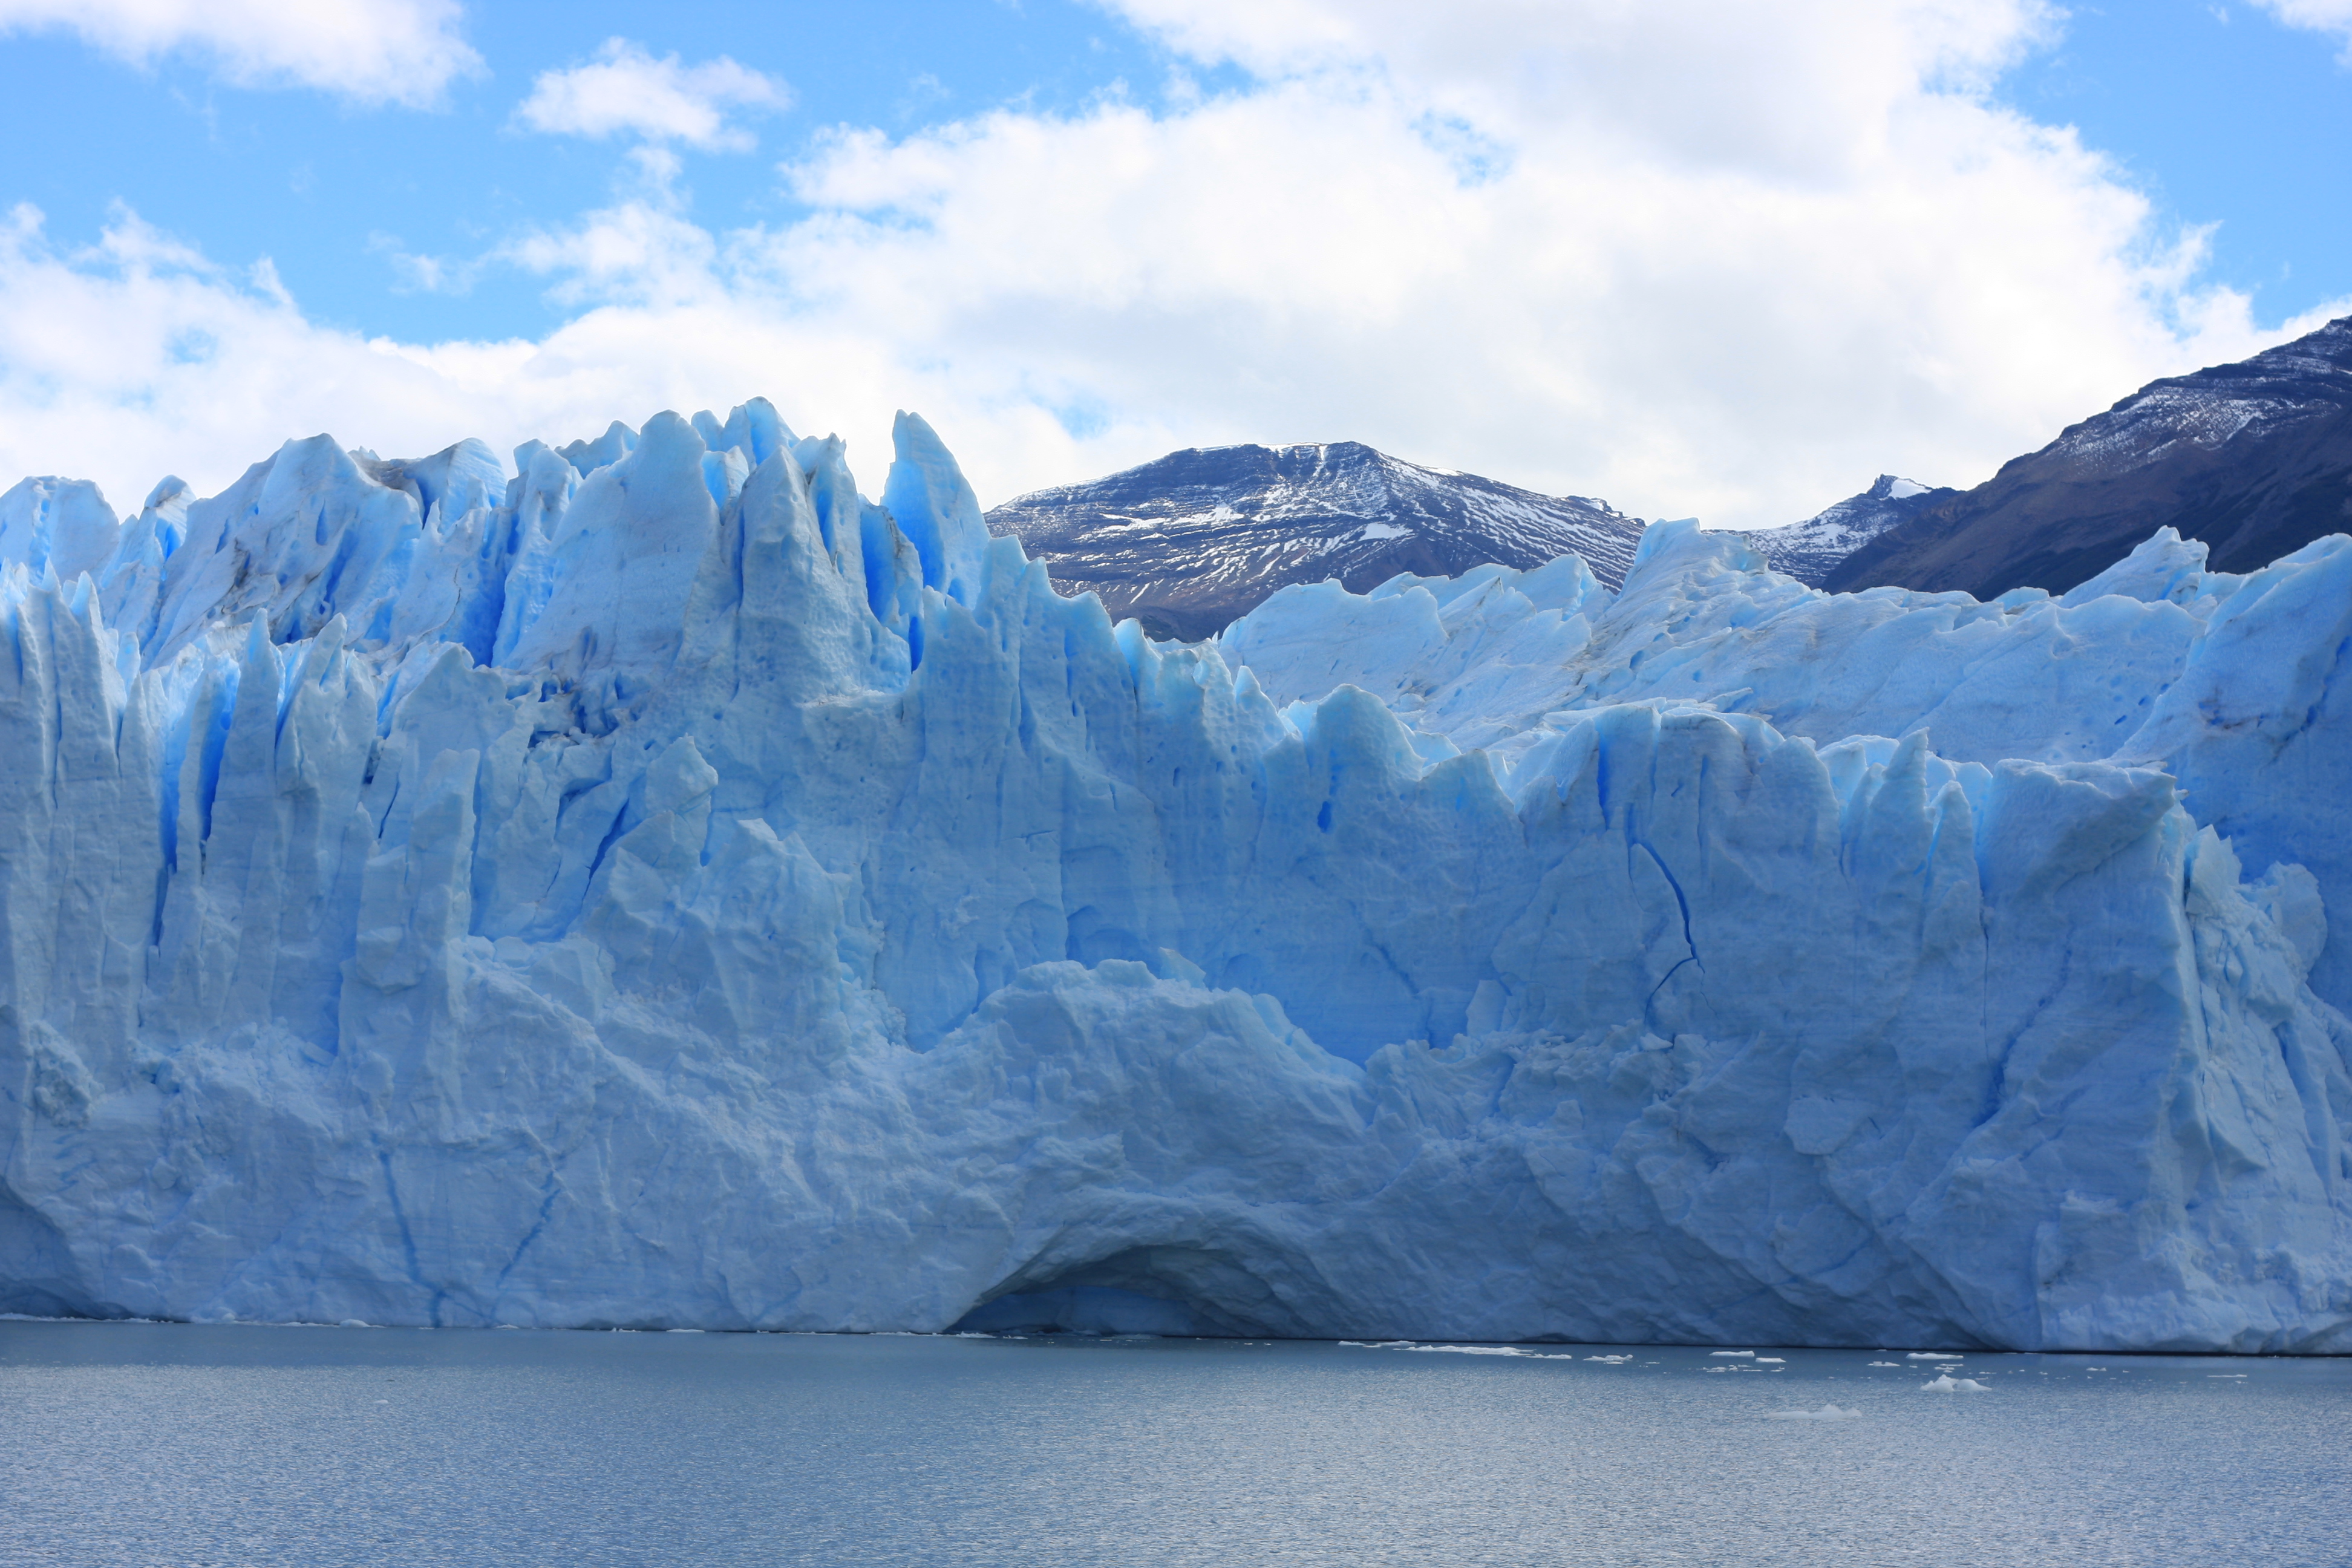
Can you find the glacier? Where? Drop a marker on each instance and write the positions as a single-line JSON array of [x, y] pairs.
[[658, 886]]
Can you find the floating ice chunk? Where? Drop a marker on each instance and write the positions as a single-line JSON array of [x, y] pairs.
[[1770, 1361], [1935, 1356], [1947, 1384], [1893, 1364], [1610, 1360], [1731, 1353], [1826, 1413]]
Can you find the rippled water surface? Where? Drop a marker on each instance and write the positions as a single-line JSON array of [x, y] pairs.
[[161, 1444]]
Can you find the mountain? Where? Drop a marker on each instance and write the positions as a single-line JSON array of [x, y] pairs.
[[1187, 542], [1810, 549], [2254, 458]]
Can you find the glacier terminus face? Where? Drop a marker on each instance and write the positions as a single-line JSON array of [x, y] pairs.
[[658, 886]]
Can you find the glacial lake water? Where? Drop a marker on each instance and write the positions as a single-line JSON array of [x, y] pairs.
[[200, 1446]]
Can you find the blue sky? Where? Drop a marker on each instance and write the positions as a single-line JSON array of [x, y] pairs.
[[2225, 116], [320, 185], [1686, 272]]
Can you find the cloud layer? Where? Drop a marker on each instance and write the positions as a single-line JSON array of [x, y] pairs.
[[370, 51], [1687, 255]]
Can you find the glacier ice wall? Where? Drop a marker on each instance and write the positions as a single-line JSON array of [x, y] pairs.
[[663, 887]]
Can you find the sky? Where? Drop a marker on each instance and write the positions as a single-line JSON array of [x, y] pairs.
[[1694, 257]]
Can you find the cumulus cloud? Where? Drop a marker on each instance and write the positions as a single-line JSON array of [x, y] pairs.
[[1722, 259], [1686, 256], [371, 51], [626, 91], [2319, 15], [138, 357]]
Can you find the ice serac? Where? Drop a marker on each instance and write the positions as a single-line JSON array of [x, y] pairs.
[[660, 886]]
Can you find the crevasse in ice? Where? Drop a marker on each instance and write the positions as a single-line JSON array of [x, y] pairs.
[[662, 886]]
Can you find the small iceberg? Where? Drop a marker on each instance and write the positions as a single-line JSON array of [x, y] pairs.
[[1947, 1384], [1826, 1413]]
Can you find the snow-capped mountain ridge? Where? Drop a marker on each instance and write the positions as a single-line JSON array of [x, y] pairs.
[[2254, 458], [1189, 540], [1810, 549]]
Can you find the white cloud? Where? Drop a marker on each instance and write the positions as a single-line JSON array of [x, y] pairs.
[[2319, 15], [625, 90], [373, 51], [137, 356], [1690, 262]]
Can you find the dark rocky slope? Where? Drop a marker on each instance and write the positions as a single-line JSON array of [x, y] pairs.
[[1188, 542], [2254, 459]]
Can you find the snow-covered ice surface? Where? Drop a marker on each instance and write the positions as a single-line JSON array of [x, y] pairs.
[[664, 887]]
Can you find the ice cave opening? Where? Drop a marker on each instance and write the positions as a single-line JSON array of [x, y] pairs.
[[1172, 1290]]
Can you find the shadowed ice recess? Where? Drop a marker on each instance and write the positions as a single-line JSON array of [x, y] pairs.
[[664, 887]]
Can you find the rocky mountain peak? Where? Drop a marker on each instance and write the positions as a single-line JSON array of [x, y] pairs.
[[1188, 541]]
